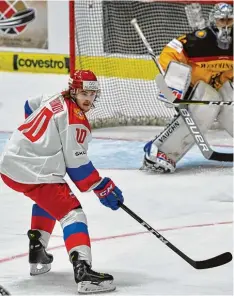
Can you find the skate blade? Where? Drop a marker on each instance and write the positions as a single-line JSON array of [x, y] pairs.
[[88, 287], [38, 268]]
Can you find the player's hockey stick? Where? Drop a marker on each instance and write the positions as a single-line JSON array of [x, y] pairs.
[[203, 145], [204, 264], [178, 102], [3, 291]]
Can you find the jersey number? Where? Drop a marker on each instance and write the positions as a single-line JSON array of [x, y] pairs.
[[80, 135], [34, 130]]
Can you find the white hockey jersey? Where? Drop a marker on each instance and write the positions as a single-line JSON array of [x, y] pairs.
[[34, 103], [52, 140]]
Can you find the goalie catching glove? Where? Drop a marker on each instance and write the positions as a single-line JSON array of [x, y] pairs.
[[109, 194], [157, 161]]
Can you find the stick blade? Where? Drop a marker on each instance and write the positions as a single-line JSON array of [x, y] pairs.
[[219, 156], [214, 262]]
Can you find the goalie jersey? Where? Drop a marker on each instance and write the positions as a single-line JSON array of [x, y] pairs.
[[51, 142], [199, 50]]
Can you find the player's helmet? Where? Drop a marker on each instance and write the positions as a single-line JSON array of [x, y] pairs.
[[221, 23], [83, 79]]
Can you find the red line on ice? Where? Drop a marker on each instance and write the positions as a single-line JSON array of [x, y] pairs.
[[11, 258]]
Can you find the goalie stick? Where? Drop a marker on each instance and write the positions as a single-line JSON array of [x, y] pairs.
[[204, 264], [178, 102], [154, 58], [201, 142]]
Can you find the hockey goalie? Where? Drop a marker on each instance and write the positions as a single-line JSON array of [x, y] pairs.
[[198, 66]]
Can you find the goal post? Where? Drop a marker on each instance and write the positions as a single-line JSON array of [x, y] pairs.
[[72, 40], [103, 40]]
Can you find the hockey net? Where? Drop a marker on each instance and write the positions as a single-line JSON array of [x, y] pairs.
[[103, 40]]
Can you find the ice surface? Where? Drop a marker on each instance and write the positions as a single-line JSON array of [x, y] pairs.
[[192, 208]]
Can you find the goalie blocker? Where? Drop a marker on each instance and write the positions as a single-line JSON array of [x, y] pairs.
[[162, 153]]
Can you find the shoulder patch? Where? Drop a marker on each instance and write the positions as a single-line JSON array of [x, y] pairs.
[[176, 44], [200, 34], [56, 106]]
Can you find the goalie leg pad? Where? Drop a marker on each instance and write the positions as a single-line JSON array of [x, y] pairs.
[[176, 140], [225, 117]]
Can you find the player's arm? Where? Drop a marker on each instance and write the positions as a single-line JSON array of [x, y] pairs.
[[82, 171], [33, 104], [27, 109], [174, 51]]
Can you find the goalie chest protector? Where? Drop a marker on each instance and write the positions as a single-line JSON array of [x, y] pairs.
[[203, 44]]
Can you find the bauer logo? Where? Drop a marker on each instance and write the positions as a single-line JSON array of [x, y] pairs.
[[15, 16], [40, 63], [194, 129]]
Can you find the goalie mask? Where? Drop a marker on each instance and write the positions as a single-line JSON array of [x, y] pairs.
[[221, 23]]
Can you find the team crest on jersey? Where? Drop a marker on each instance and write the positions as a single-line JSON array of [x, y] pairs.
[[201, 34], [79, 114]]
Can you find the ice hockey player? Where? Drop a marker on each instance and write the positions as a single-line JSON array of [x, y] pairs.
[[51, 142], [204, 60]]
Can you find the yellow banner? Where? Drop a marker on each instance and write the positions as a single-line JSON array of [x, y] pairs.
[[124, 68], [35, 63]]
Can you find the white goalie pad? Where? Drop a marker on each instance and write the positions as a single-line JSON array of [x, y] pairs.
[[225, 117], [176, 139]]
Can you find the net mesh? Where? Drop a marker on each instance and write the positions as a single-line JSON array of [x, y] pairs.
[[107, 44]]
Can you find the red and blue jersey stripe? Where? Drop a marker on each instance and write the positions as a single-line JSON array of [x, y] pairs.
[[84, 176]]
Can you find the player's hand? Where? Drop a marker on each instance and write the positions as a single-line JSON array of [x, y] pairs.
[[109, 194]]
